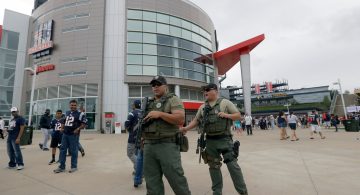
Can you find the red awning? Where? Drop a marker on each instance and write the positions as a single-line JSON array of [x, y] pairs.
[[192, 105], [227, 58]]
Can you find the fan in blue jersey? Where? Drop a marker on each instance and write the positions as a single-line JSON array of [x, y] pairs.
[[73, 123], [56, 134]]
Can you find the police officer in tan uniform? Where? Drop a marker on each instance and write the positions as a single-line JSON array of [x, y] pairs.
[[164, 113], [216, 117]]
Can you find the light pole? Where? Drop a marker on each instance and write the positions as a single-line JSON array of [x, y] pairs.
[[33, 71], [342, 97], [287, 106]]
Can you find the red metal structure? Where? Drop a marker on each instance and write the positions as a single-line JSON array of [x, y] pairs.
[[227, 58]]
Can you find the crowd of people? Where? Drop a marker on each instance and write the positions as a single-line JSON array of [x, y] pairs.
[[64, 131], [160, 124]]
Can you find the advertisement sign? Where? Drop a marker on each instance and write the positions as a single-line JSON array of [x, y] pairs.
[[42, 40], [45, 68], [353, 109], [117, 128]]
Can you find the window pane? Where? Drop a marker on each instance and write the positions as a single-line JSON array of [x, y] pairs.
[[165, 61], [134, 14], [193, 95], [147, 91], [163, 18], [186, 54], [175, 21], [163, 29], [163, 50], [134, 70], [78, 90], [52, 92], [41, 107], [90, 120], [134, 25], [134, 37], [134, 48], [164, 40], [52, 105], [150, 70], [186, 44], [199, 68], [195, 28], [186, 34], [149, 38], [149, 16], [199, 76], [134, 59], [64, 104], [42, 93], [195, 37], [134, 91], [92, 90], [175, 31], [91, 104], [184, 93], [165, 71], [64, 91], [12, 40], [186, 24], [150, 60], [149, 27], [149, 49]]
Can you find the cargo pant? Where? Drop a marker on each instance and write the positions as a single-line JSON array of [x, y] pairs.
[[164, 159], [224, 147]]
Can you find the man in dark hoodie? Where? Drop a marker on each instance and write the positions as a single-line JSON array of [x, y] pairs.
[[45, 121]]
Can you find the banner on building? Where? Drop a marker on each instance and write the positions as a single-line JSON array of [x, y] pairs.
[[269, 87], [257, 89]]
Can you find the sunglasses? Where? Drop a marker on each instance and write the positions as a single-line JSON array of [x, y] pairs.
[[156, 84]]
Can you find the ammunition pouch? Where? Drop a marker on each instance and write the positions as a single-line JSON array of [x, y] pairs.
[[182, 141]]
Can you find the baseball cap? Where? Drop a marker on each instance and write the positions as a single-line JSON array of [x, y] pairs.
[[159, 79], [209, 86], [14, 109], [137, 103]]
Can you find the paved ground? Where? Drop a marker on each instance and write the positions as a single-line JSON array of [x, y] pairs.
[[270, 166]]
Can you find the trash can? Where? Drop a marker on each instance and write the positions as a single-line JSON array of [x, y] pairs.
[[26, 138], [351, 125]]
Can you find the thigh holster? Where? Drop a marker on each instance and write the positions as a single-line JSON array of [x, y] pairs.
[[214, 163]]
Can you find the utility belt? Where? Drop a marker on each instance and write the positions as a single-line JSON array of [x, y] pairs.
[[216, 137], [158, 141], [179, 139]]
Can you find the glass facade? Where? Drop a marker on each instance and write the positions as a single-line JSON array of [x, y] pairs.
[[8, 55], [161, 44], [138, 92], [58, 97]]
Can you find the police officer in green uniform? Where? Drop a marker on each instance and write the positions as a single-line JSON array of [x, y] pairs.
[[164, 113], [215, 117]]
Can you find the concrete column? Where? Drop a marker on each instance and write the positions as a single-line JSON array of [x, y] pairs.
[[246, 81], [177, 90]]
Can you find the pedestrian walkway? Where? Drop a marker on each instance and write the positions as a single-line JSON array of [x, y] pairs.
[[270, 166]]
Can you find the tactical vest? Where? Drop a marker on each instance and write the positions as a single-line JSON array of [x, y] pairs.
[[213, 124], [158, 128]]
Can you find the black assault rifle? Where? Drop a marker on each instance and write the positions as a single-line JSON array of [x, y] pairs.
[[139, 127]]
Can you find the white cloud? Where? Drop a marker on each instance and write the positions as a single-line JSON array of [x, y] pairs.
[[308, 42]]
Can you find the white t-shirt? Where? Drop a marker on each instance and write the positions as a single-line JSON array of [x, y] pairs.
[[2, 124], [248, 120], [292, 119]]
